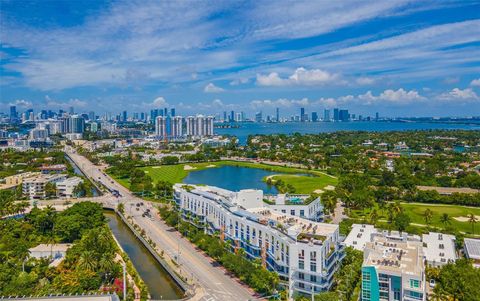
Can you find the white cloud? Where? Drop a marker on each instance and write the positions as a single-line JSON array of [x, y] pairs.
[[21, 103], [72, 102], [475, 82], [158, 102], [301, 77], [211, 88], [365, 81], [399, 96], [280, 103], [451, 80], [239, 81], [459, 94]]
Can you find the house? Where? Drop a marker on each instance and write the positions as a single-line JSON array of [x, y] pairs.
[[66, 187], [55, 252]]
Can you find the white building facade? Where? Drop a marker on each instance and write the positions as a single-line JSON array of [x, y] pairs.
[[303, 252]]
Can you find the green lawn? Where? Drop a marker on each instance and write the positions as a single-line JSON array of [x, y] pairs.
[[305, 184], [302, 184], [416, 210]]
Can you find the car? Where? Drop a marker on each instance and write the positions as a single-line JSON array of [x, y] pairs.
[[432, 282]]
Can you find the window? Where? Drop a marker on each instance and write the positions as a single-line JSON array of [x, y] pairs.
[[292, 212], [302, 212], [313, 278], [441, 246], [301, 276], [414, 283], [301, 265], [313, 267], [301, 285], [366, 276], [284, 211]]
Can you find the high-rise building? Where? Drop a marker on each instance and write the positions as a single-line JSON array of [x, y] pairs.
[[169, 127], [314, 117], [277, 115], [377, 116], [336, 115], [124, 116], [232, 116], [258, 117], [142, 116], [71, 111], [77, 124], [199, 126], [238, 117], [165, 112], [393, 269], [302, 115], [172, 112], [91, 115], [343, 115], [326, 115], [224, 116], [13, 113]]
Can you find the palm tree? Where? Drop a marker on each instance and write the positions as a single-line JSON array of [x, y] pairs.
[[427, 216], [393, 210], [472, 219], [87, 261], [445, 219], [373, 216]]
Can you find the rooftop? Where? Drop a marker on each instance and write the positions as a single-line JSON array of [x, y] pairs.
[[439, 247], [294, 226], [472, 248], [394, 256], [50, 248]]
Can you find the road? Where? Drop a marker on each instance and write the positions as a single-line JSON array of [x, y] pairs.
[[215, 282]]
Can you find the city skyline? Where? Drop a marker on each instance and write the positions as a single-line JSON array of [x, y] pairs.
[[395, 57]]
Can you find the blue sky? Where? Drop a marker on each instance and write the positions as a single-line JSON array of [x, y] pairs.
[[400, 58]]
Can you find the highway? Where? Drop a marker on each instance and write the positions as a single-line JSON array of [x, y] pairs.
[[214, 281]]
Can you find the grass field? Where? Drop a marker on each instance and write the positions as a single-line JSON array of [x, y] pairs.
[[302, 184], [416, 210], [305, 184]]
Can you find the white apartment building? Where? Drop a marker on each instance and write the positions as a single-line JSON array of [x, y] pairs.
[[65, 188], [439, 248], [169, 127], [393, 269], [34, 187], [199, 126], [303, 252], [297, 205]]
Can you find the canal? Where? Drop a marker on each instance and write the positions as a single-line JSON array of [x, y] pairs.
[[95, 191], [159, 283]]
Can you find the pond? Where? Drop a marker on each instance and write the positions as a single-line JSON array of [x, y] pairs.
[[232, 178], [159, 283]]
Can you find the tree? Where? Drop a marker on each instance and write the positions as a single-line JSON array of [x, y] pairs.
[[402, 221], [427, 216], [373, 217], [50, 190], [472, 219], [459, 281], [445, 219]]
